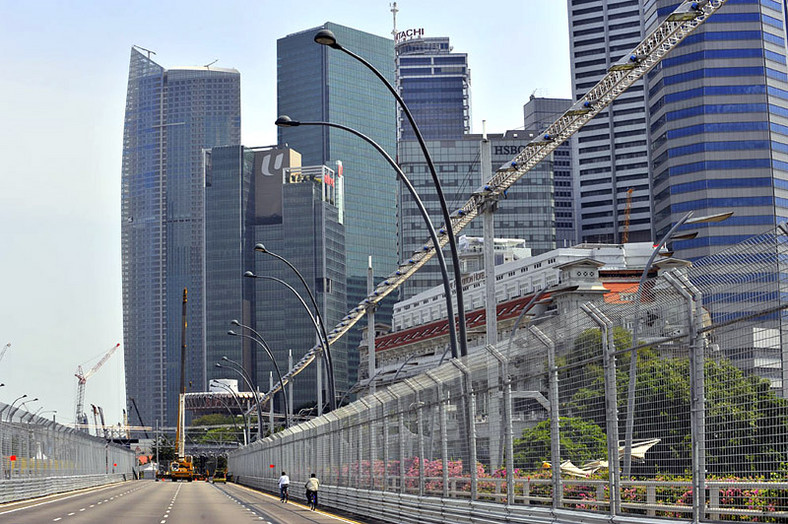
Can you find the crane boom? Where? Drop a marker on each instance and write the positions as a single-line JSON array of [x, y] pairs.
[[4, 350], [627, 212], [80, 417], [687, 17]]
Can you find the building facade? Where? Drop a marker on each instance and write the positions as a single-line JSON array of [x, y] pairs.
[[171, 115], [435, 84], [610, 154], [538, 114], [316, 83], [264, 195], [527, 212], [718, 108]]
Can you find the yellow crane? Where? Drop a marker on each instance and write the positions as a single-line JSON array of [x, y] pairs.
[[627, 211]]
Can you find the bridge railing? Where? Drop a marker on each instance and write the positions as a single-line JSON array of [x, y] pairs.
[[706, 407], [39, 456]]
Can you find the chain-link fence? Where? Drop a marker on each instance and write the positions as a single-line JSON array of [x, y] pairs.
[[39, 457], [624, 404]]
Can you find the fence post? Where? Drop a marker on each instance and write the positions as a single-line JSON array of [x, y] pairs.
[[555, 427], [443, 435], [401, 431], [611, 402], [508, 431], [694, 299], [471, 417]]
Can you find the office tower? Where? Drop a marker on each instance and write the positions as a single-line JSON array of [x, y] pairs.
[[317, 83], [538, 114], [171, 115], [526, 212], [719, 125], [611, 152], [435, 84], [264, 195]]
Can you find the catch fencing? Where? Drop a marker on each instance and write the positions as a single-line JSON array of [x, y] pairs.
[[39, 457], [626, 404]]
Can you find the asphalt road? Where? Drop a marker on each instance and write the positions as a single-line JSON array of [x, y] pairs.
[[149, 502]]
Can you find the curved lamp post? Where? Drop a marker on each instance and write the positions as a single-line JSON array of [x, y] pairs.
[[286, 121], [326, 37], [247, 433], [240, 370], [13, 411], [261, 342], [670, 235], [329, 361], [11, 405]]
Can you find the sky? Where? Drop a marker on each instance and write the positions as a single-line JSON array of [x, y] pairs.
[[62, 100]]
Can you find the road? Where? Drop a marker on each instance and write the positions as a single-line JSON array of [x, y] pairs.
[[149, 502]]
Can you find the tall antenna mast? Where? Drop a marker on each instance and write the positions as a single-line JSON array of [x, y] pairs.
[[394, 12]]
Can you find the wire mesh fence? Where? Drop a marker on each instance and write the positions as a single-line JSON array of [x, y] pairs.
[[625, 404]]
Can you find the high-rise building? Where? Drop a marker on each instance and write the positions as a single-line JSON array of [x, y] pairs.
[[611, 152], [317, 83], [538, 114], [527, 212], [171, 116], [264, 196], [435, 83], [718, 108]]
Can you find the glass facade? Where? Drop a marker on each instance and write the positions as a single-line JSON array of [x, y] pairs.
[[316, 83], [718, 108], [171, 116], [435, 84], [251, 198], [526, 213]]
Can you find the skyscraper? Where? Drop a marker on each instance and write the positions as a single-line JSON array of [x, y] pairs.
[[264, 195], [171, 115], [719, 125], [317, 83], [435, 84], [611, 154]]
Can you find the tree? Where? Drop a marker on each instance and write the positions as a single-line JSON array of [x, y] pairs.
[[581, 441]]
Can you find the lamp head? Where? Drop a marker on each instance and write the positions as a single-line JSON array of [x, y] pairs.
[[232, 333], [249, 274], [286, 121], [225, 358], [218, 365], [261, 248], [235, 322], [326, 37]]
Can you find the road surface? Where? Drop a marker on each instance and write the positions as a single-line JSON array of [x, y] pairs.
[[149, 502]]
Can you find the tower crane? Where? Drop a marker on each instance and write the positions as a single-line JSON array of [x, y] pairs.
[[80, 417], [3, 351], [684, 19]]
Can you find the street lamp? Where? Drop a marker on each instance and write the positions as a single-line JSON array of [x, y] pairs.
[[327, 38], [11, 405], [235, 366], [262, 343], [670, 235], [247, 433], [13, 411], [286, 121], [329, 361]]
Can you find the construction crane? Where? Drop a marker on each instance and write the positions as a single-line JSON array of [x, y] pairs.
[[80, 417], [627, 212], [4, 350], [679, 24], [95, 420], [142, 423]]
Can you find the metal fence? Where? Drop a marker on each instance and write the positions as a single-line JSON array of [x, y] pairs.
[[628, 405], [40, 457]]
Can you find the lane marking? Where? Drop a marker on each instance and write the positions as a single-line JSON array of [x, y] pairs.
[[57, 497]]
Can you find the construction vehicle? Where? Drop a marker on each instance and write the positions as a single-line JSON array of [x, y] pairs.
[[80, 418], [182, 468]]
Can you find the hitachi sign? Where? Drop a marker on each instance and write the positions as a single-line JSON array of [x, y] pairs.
[[408, 34]]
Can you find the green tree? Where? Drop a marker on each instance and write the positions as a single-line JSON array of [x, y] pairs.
[[581, 441]]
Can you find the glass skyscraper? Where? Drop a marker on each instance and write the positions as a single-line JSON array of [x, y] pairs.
[[718, 107], [435, 84], [264, 195], [316, 83], [171, 116]]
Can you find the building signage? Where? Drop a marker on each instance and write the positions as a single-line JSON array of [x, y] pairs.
[[507, 150], [269, 174], [407, 34]]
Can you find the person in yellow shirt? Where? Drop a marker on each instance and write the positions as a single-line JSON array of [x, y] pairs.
[[312, 486]]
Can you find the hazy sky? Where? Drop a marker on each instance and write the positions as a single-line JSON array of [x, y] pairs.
[[62, 98]]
